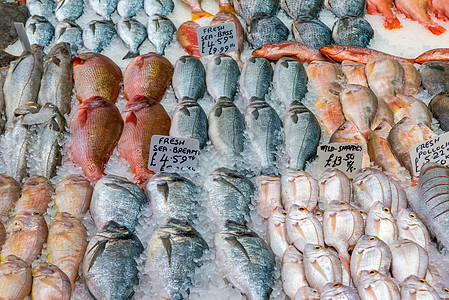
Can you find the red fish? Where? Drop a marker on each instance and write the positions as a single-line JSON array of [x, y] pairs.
[[96, 75], [418, 10], [197, 11], [385, 9], [440, 8], [297, 50], [143, 119], [186, 35], [433, 55], [225, 5], [362, 55], [96, 128]]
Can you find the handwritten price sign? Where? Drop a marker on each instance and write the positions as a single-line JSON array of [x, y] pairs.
[[173, 154], [346, 157], [433, 150], [215, 39]]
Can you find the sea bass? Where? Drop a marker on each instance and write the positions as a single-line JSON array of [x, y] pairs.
[[222, 77], [189, 78], [290, 80], [98, 35], [132, 33], [255, 79], [249, 8], [160, 31]]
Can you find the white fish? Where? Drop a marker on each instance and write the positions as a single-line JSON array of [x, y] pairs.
[[337, 291], [303, 227], [298, 187], [411, 228], [277, 232], [307, 293], [269, 188], [417, 288], [334, 185], [409, 258], [374, 286], [370, 185], [292, 272], [381, 223]]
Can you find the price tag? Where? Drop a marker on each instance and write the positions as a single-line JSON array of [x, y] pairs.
[[23, 36], [435, 150], [220, 38], [173, 154], [346, 157]]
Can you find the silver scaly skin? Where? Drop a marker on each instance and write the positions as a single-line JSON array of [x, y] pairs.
[[352, 31], [160, 31], [343, 8], [104, 8], [255, 79], [43, 8], [98, 35], [132, 33], [39, 30], [129, 8], [299, 8], [189, 78], [249, 8], [69, 32], [312, 32], [263, 29], [290, 80], [161, 7], [222, 77], [69, 9]]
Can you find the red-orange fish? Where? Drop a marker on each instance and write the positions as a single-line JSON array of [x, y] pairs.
[[320, 74], [197, 11], [147, 75], [329, 112], [143, 119], [96, 128], [362, 55], [385, 9], [225, 5], [434, 54], [225, 16], [418, 10], [440, 8], [96, 75], [427, 132], [412, 79], [297, 50], [36, 195], [354, 72], [186, 35]]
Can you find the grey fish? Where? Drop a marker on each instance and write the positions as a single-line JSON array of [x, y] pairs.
[[264, 29], [69, 32], [39, 30], [189, 121], [132, 33], [352, 31], [116, 199], [69, 9], [290, 80], [312, 32], [104, 8], [299, 8], [249, 8], [435, 76], [348, 7], [255, 80], [160, 32], [245, 260], [222, 77], [302, 135], [98, 35], [161, 7], [50, 131], [57, 79], [189, 78], [23, 81], [226, 128], [229, 194], [129, 8], [172, 195], [439, 106], [109, 267], [174, 251], [43, 8], [264, 130]]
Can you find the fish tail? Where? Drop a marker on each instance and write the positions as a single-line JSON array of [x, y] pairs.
[[227, 7], [201, 14], [436, 29], [393, 23], [130, 54]]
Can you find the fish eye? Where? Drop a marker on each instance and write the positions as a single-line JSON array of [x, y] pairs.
[[446, 290], [343, 127], [121, 227], [318, 247], [372, 238], [319, 214], [372, 272], [336, 285], [412, 215], [362, 212], [342, 203], [422, 281], [302, 208], [140, 97], [284, 212], [386, 209], [315, 291]]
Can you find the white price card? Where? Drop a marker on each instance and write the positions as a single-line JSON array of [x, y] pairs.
[[169, 153], [215, 39], [346, 157], [432, 150]]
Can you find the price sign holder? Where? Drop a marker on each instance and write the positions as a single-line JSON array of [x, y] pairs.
[[432, 150], [346, 157], [215, 39]]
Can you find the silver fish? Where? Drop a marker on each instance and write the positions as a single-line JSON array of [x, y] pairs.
[[98, 35], [132, 33], [109, 267], [112, 192], [381, 223], [352, 31], [337, 291], [290, 80], [161, 7], [160, 31], [172, 195], [302, 135], [104, 8], [409, 258], [299, 187], [411, 228], [374, 285], [350, 8], [417, 288], [189, 78], [311, 31], [333, 185], [189, 121], [263, 29], [298, 8], [174, 252], [57, 79], [69, 9], [129, 8], [249, 8], [371, 185], [255, 79], [39, 30], [292, 271], [307, 293], [69, 32], [222, 77], [269, 188], [303, 228], [43, 8], [277, 233], [245, 260]]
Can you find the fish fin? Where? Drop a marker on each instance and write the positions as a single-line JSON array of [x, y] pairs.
[[78, 61], [130, 54], [163, 189], [218, 111], [185, 110], [255, 114], [201, 14], [436, 29], [414, 181], [33, 28], [391, 24], [295, 118], [82, 117], [227, 8], [235, 242], [98, 249], [56, 61], [92, 28], [131, 118], [167, 245], [54, 125], [440, 15]]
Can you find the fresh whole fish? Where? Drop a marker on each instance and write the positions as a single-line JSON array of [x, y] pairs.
[[26, 235], [300, 188], [39, 30], [222, 77], [321, 74], [442, 290], [269, 188], [292, 272], [197, 11], [427, 132], [321, 265], [96, 75], [417, 10], [73, 195], [381, 223], [385, 9], [302, 135], [69, 32], [36, 195], [147, 75], [226, 128], [187, 37], [374, 285], [69, 9], [174, 252], [303, 228], [438, 54], [143, 119], [354, 72], [255, 80], [385, 77], [66, 244], [439, 106], [370, 186], [264, 29], [161, 7], [299, 51], [57, 82], [333, 185], [113, 192], [98, 35], [307, 293], [408, 106], [189, 121], [362, 55], [129, 8], [337, 291], [347, 8], [384, 113], [15, 278], [435, 76], [43, 8], [229, 195], [245, 260], [132, 33], [160, 31], [415, 287], [277, 233], [411, 228], [264, 131], [249, 8], [352, 31], [311, 31], [96, 127], [104, 8], [172, 195], [189, 78], [412, 79], [299, 8], [110, 267], [329, 111], [49, 282], [290, 80], [409, 258], [398, 198], [9, 194]]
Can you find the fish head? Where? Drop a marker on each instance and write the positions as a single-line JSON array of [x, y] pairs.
[[279, 215], [306, 292], [298, 213], [381, 212], [332, 51], [292, 255], [338, 206], [336, 290], [112, 231], [60, 48], [369, 242], [314, 251], [27, 108]]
